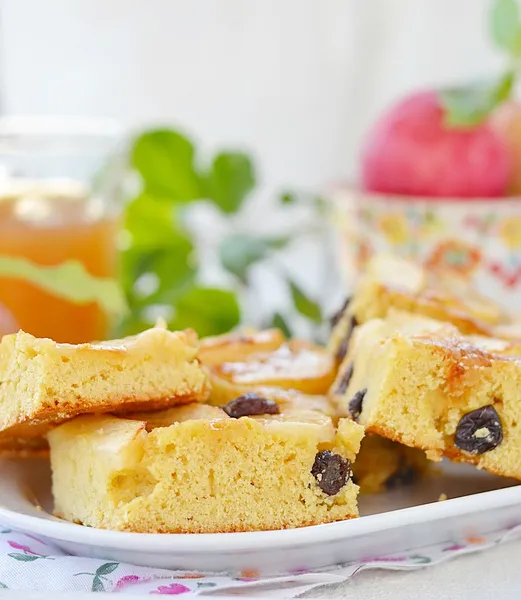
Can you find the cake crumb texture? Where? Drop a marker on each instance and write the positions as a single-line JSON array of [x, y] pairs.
[[202, 471], [450, 397], [43, 382]]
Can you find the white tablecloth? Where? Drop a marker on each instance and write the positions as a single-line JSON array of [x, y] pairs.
[[474, 568], [491, 575]]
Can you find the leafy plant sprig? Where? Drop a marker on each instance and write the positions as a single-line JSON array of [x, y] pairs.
[[468, 106], [160, 267]]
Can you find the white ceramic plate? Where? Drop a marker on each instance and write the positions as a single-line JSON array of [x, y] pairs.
[[391, 522]]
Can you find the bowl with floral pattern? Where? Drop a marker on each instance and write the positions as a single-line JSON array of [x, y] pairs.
[[477, 239]]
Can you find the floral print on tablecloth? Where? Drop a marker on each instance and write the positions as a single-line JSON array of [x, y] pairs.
[[29, 562]]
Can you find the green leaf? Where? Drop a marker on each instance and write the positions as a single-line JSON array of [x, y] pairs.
[[107, 568], [150, 221], [174, 268], [209, 311], [419, 559], [238, 252], [97, 585], [304, 305], [165, 160], [470, 106], [70, 281], [279, 242], [231, 179], [280, 322], [505, 26], [23, 557], [321, 205], [171, 265], [158, 247], [288, 198], [318, 203]]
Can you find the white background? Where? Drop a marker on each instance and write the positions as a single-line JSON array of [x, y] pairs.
[[296, 81]]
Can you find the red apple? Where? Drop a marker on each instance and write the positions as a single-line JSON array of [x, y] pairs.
[[506, 121], [412, 151]]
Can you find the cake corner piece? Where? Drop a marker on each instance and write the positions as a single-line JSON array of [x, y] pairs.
[[448, 396], [44, 382]]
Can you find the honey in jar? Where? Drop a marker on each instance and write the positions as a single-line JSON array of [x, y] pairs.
[[49, 222]]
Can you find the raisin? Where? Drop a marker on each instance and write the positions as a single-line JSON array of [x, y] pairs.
[[404, 475], [339, 313], [342, 349], [250, 404], [346, 378], [479, 431], [331, 471], [355, 405]]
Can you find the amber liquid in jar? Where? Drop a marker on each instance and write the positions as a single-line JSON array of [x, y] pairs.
[[49, 228]]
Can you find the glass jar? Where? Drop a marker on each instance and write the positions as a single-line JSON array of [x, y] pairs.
[[60, 194]]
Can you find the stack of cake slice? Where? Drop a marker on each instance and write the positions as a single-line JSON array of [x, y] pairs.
[[135, 445], [450, 395], [447, 386]]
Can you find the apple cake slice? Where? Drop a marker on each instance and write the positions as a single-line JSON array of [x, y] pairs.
[[43, 382], [202, 469]]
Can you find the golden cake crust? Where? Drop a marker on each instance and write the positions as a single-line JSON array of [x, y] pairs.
[[44, 383], [34, 447], [392, 283], [431, 392]]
